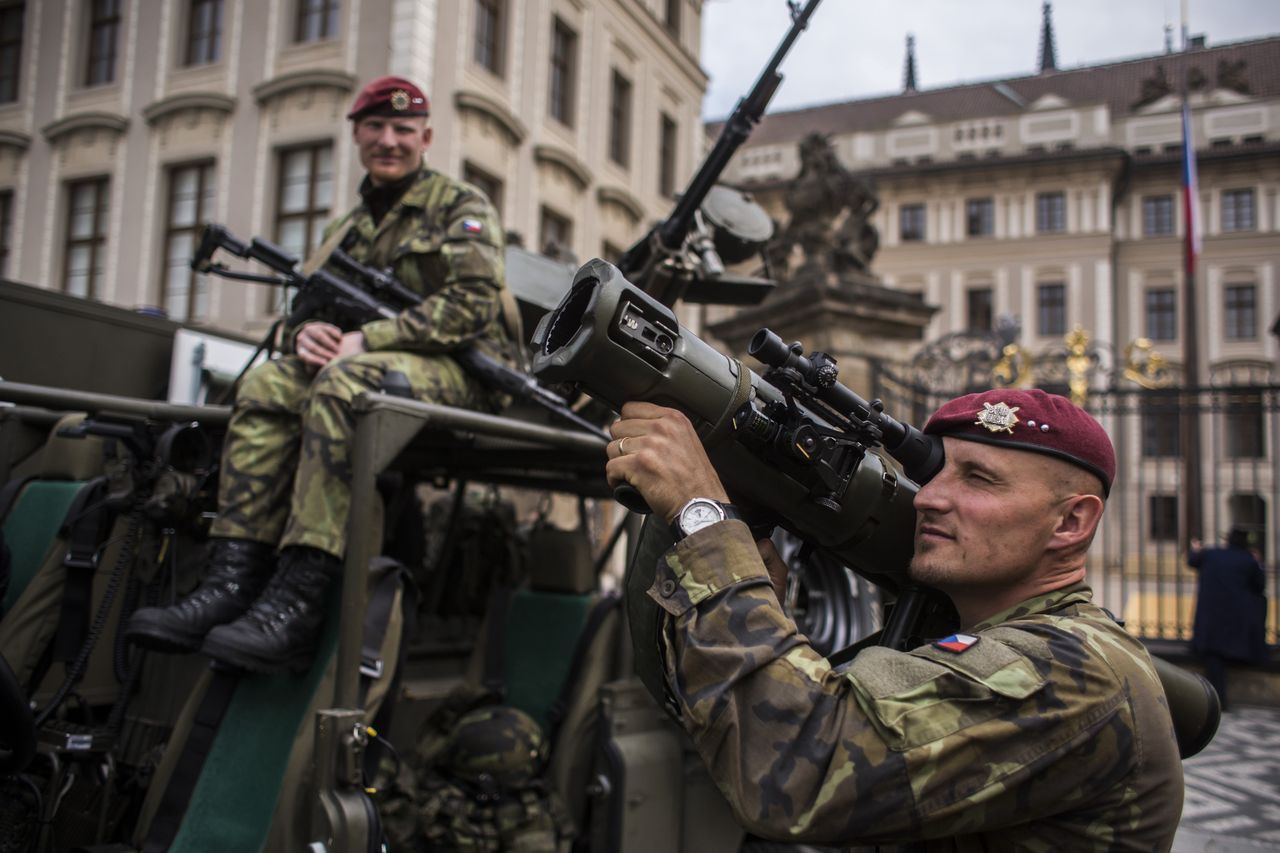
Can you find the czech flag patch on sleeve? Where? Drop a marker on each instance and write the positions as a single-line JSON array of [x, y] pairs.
[[472, 226], [957, 642]]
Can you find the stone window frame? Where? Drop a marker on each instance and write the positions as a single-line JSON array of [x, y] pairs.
[[325, 14], [12, 26], [562, 80], [1239, 210], [103, 46], [99, 186], [204, 34], [1051, 212], [621, 102], [205, 172], [980, 217], [1157, 215], [668, 136], [1159, 425], [6, 229], [1244, 434], [1240, 312], [1162, 517], [1051, 308], [488, 49], [971, 306], [912, 226], [488, 183], [671, 18], [313, 216], [554, 227], [1160, 313]]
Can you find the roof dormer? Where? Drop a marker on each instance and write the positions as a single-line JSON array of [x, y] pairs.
[[1048, 101]]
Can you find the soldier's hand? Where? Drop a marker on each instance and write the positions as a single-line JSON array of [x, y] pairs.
[[317, 343], [657, 450], [352, 344]]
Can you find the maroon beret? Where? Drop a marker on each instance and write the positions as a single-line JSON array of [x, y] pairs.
[[1030, 420], [390, 96]]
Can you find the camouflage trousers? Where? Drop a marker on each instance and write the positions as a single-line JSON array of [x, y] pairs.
[[286, 462]]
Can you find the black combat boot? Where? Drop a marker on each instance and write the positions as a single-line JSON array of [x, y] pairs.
[[237, 572], [279, 631]]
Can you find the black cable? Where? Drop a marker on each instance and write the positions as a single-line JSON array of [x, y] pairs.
[[395, 757]]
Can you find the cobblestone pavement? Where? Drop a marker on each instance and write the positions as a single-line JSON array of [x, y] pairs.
[[1233, 787]]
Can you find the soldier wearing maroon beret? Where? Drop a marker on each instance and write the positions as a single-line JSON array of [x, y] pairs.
[[1039, 725], [284, 492]]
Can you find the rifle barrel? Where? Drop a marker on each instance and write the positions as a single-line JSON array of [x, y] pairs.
[[746, 115]]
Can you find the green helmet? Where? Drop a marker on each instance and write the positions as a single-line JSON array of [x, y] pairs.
[[500, 743]]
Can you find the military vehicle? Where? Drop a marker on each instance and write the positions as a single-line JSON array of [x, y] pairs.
[[476, 685]]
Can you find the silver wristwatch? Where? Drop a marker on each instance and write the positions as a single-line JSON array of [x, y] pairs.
[[699, 513]]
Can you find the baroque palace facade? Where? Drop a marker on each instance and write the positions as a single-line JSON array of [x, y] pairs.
[[1055, 198], [126, 125]]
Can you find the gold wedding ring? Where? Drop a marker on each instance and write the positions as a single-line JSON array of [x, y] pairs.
[[622, 445]]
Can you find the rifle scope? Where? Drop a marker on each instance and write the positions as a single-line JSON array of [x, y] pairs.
[[618, 344]]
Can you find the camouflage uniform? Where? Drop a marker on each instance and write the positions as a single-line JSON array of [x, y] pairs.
[[442, 240], [1052, 732]]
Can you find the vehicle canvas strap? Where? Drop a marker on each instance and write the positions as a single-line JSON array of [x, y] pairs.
[[320, 256], [494, 677], [515, 327], [177, 795], [9, 494], [377, 618], [84, 532]]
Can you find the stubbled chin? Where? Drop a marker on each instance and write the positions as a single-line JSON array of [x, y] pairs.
[[922, 569]]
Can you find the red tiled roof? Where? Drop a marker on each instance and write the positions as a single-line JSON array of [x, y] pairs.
[[1117, 84]]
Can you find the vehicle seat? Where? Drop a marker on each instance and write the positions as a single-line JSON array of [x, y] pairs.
[[34, 503], [62, 480], [547, 647]]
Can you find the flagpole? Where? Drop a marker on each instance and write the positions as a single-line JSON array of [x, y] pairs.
[[1192, 509]]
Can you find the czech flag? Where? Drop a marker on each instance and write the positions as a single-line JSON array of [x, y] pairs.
[[957, 642], [1190, 193]]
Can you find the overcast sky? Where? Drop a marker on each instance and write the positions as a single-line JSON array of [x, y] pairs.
[[856, 48]]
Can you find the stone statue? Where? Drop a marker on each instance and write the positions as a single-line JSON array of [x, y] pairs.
[[831, 211]]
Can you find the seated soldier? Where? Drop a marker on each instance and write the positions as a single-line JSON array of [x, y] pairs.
[[284, 493]]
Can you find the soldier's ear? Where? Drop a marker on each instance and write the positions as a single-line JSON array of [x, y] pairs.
[[427, 134], [1077, 522]]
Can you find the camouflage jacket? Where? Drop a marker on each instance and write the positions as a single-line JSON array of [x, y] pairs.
[[1051, 732], [442, 239]]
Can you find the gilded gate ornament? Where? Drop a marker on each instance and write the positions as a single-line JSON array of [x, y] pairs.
[[1144, 366]]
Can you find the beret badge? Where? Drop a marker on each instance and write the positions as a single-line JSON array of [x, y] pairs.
[[399, 100], [998, 418]]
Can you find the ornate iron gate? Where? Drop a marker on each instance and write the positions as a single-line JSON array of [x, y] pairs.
[[1137, 565]]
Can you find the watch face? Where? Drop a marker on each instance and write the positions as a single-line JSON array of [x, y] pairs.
[[698, 515]]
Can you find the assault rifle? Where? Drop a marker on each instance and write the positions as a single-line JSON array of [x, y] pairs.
[[365, 294]]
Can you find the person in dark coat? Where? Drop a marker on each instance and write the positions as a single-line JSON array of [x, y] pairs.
[[1231, 608]]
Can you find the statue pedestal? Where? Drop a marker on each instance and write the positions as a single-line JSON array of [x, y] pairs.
[[850, 316]]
